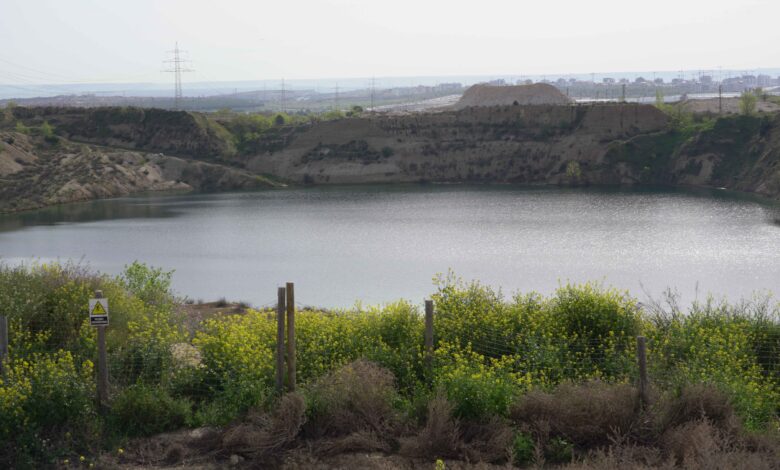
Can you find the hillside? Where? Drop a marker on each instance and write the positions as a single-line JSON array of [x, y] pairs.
[[37, 172], [57, 155]]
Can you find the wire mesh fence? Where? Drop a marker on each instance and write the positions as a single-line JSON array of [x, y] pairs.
[[220, 355]]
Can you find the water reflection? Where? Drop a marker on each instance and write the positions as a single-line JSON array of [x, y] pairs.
[[382, 243], [125, 208]]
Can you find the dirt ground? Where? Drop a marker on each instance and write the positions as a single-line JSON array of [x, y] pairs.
[[178, 450], [730, 106]]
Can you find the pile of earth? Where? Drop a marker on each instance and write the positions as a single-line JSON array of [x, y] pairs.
[[489, 95]]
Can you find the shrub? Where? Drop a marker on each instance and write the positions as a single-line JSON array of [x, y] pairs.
[[441, 435], [237, 359], [46, 391], [397, 332], [263, 435], [477, 387], [523, 449], [151, 285], [587, 415], [699, 402], [359, 396], [141, 410], [21, 128], [747, 103], [715, 343]]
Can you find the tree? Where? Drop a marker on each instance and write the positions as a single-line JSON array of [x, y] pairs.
[[573, 171], [21, 128], [46, 129], [659, 98], [8, 112], [747, 103]]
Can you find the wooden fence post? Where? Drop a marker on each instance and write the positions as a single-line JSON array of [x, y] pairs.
[[429, 335], [641, 354], [102, 366], [3, 343], [290, 337], [280, 310]]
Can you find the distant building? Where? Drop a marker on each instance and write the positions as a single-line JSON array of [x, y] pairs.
[[449, 86], [608, 81]]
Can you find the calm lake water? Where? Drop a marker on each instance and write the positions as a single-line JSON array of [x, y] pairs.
[[382, 243]]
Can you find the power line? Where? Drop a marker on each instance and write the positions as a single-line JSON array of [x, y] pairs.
[[282, 98], [373, 89], [177, 70]]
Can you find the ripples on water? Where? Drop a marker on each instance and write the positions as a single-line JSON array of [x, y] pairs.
[[381, 243]]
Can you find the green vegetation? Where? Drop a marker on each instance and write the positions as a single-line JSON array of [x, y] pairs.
[[733, 137], [747, 103], [573, 171], [493, 357], [259, 133], [21, 128]]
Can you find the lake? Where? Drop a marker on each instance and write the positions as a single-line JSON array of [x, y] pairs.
[[382, 243]]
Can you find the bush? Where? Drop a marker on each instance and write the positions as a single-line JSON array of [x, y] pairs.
[[263, 435], [151, 285], [478, 388], [46, 391], [141, 410], [747, 103], [587, 415], [523, 449], [441, 435], [237, 354], [21, 128], [699, 402], [359, 396]]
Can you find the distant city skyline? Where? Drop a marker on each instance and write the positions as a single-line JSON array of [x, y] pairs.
[[163, 89], [93, 41]]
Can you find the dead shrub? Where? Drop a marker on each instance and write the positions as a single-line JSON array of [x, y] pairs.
[[697, 402], [587, 415], [174, 454], [693, 441], [490, 441], [622, 457], [441, 435], [263, 435], [702, 444], [357, 397]]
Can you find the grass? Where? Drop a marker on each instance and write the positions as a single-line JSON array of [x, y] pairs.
[[526, 379]]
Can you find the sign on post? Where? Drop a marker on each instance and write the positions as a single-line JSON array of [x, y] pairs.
[[98, 312]]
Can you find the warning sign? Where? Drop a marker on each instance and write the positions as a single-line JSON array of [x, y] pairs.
[[98, 312]]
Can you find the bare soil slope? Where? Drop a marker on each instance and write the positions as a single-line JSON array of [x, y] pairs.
[[36, 173]]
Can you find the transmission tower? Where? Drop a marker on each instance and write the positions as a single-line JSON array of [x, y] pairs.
[[281, 101], [336, 97], [373, 87], [178, 67]]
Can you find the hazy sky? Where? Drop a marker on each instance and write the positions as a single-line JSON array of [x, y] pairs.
[[57, 41]]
